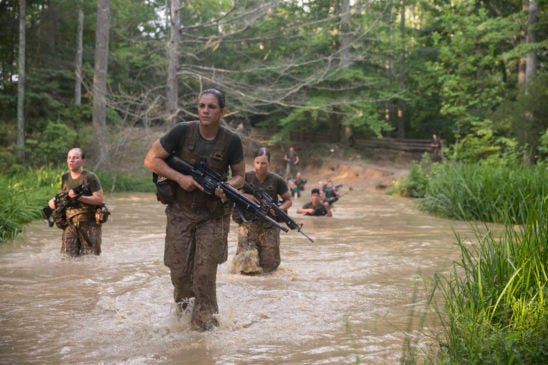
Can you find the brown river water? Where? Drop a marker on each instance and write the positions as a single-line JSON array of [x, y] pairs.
[[355, 295]]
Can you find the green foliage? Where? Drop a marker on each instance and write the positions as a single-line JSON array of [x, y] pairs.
[[543, 147], [23, 196], [451, 66], [526, 117], [415, 183], [483, 192], [495, 305], [481, 143], [56, 140]]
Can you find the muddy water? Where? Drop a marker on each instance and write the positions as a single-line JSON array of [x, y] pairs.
[[355, 294]]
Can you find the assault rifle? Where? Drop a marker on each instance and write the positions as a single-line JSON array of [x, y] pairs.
[[211, 180], [62, 202], [268, 203]]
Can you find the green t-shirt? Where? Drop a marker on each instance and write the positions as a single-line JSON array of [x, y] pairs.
[[89, 177], [173, 139]]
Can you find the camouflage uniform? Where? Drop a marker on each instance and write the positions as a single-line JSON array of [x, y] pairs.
[[198, 224], [82, 235], [259, 235]]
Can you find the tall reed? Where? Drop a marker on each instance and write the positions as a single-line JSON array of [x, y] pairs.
[[495, 304], [483, 192]]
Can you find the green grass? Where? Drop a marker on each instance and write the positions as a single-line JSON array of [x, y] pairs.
[[495, 298], [476, 192], [494, 301]]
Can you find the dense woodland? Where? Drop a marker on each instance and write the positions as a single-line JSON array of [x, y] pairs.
[[472, 71], [77, 72]]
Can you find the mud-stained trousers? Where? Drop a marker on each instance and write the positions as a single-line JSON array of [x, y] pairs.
[[195, 245], [266, 240], [81, 238]]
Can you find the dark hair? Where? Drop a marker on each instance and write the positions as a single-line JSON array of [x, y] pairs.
[[315, 191], [263, 151], [219, 95]]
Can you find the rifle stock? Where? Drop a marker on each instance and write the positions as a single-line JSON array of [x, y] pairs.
[[211, 180]]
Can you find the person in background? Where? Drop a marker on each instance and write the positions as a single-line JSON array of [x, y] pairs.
[[293, 189], [321, 189], [198, 224], [331, 195], [435, 148], [292, 160], [81, 232], [300, 182], [315, 207], [258, 240]]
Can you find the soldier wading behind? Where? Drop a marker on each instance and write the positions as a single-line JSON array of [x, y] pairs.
[[258, 240], [81, 230], [197, 223]]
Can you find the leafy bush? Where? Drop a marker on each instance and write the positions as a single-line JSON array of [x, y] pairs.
[[415, 183], [56, 140], [23, 197]]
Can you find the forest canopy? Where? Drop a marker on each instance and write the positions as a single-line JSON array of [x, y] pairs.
[[473, 72]]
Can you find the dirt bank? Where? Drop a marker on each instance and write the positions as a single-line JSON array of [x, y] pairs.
[[352, 167]]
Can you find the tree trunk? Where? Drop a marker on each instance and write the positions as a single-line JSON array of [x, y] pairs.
[[21, 82], [401, 75], [173, 66], [522, 63], [100, 83], [79, 53], [345, 34], [338, 118], [532, 58]]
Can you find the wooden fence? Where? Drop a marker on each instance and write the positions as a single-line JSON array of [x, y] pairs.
[[407, 145], [394, 144]]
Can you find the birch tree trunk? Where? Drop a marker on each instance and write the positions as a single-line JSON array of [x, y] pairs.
[[21, 82], [100, 83], [173, 52], [345, 33], [79, 53]]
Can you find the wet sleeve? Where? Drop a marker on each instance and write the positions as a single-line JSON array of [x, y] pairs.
[[281, 187], [94, 183], [248, 179], [235, 150], [172, 139]]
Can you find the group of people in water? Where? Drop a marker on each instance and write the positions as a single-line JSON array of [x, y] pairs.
[[322, 198], [198, 220]]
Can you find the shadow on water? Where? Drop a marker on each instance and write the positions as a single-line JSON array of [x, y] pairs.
[[351, 296]]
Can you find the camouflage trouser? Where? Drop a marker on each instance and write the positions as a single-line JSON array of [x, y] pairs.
[[266, 240], [194, 247], [81, 238]]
